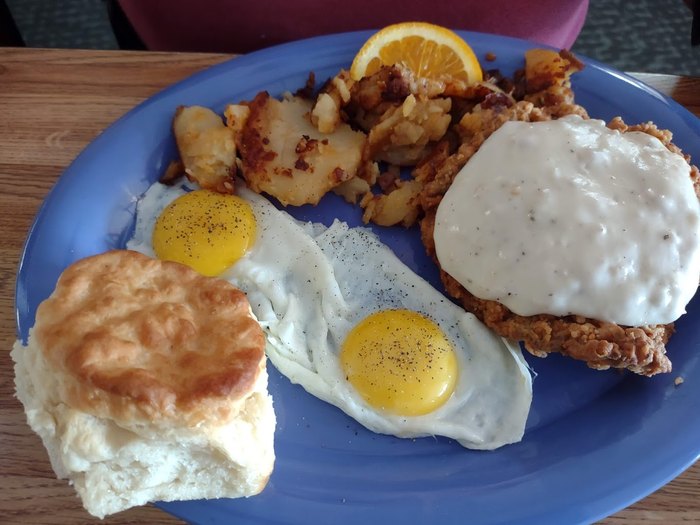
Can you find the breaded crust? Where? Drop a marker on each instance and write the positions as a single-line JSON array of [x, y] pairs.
[[138, 339], [600, 344]]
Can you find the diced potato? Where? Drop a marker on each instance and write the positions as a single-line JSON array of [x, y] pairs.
[[403, 133], [334, 95], [401, 206], [326, 114], [236, 117], [352, 190]]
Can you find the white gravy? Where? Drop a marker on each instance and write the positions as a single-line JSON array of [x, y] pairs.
[[570, 217]]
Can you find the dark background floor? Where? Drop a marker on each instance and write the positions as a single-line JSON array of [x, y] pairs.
[[642, 35]]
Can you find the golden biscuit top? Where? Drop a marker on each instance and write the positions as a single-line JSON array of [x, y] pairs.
[[137, 339]]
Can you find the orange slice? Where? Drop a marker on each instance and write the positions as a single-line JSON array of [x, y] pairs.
[[428, 50]]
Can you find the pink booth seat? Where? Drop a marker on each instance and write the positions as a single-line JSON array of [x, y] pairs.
[[238, 27]]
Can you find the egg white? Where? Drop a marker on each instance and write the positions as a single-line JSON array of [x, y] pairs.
[[309, 285]]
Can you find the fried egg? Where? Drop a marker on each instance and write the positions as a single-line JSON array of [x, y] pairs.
[[348, 321], [220, 229]]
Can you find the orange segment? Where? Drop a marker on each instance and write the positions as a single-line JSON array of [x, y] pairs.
[[428, 50]]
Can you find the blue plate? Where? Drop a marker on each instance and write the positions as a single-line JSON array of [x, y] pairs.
[[595, 442]]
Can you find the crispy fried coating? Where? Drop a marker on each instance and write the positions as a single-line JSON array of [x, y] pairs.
[[438, 170], [665, 136], [600, 344], [547, 95]]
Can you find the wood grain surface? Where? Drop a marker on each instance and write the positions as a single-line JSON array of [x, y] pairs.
[[52, 104]]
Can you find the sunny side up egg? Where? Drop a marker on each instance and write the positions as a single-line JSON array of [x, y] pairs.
[[346, 319]]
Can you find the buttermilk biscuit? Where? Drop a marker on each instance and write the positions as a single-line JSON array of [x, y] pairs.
[[146, 381]]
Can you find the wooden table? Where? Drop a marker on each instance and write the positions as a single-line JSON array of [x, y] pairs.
[[52, 104]]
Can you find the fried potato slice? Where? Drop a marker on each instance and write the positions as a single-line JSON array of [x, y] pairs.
[[285, 156], [207, 148]]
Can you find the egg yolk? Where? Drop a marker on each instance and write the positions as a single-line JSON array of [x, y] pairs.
[[401, 362], [205, 230]]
